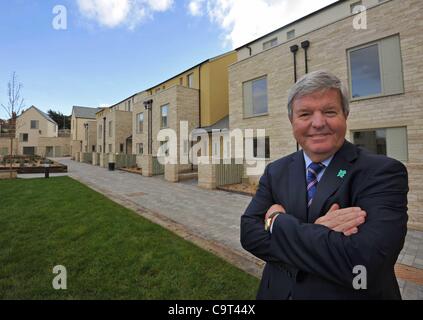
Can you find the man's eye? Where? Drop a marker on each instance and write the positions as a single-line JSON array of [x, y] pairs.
[[304, 114], [331, 113]]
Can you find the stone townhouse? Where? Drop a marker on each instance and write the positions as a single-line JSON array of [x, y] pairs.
[[38, 134], [83, 130], [114, 128], [381, 63], [197, 96]]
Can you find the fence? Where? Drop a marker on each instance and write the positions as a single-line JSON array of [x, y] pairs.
[[229, 173], [126, 161], [158, 168], [87, 157]]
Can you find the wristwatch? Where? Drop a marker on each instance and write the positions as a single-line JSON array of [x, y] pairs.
[[269, 220]]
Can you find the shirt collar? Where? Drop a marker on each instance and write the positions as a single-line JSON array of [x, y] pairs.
[[308, 161]]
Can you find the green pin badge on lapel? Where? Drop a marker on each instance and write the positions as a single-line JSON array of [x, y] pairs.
[[342, 173]]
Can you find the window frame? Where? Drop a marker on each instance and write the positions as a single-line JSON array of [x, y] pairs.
[[140, 129], [243, 99], [383, 93], [161, 116]]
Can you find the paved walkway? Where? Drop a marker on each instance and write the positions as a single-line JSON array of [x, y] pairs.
[[208, 218]]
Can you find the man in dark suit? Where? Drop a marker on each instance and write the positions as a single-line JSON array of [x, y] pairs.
[[329, 220]]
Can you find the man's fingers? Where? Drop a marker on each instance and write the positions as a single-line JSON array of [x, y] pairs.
[[334, 207], [359, 220], [351, 231]]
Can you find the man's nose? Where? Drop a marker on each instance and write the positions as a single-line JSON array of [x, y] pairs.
[[318, 120]]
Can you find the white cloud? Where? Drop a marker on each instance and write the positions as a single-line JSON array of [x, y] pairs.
[[195, 7], [114, 13], [244, 20]]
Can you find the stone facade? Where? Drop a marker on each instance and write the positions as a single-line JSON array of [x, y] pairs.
[[116, 139], [54, 147], [183, 105], [328, 50]]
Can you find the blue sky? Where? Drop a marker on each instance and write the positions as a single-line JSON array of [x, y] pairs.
[[112, 49]]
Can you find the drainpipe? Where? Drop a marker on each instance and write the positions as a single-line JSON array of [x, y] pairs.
[[305, 45], [199, 95], [294, 50], [104, 135], [148, 106]]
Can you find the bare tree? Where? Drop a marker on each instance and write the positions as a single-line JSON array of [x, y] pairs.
[[16, 102], [14, 106]]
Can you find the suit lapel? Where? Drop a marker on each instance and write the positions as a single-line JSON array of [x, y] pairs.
[[335, 174], [297, 187]]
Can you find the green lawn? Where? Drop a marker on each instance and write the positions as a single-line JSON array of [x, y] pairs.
[[109, 251]]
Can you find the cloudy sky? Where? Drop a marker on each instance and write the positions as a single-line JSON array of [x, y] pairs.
[[112, 49]]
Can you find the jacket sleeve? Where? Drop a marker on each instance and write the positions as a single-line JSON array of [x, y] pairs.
[[318, 250]]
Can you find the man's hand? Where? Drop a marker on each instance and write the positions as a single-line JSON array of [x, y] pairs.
[[344, 220], [274, 208]]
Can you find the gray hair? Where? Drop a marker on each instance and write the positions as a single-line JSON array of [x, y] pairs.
[[318, 81]]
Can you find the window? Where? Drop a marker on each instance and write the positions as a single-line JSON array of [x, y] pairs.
[[129, 105], [23, 137], [121, 147], [391, 142], [140, 122], [376, 69], [164, 116], [93, 148], [110, 128], [290, 34], [35, 124], [261, 154], [190, 80], [99, 149], [140, 148], [255, 97], [354, 5], [269, 44], [181, 81], [100, 131], [110, 148]]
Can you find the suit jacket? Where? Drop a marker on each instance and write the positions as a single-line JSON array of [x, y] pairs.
[[309, 261]]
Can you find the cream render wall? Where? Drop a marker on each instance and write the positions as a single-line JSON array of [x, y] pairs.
[[328, 50], [23, 125]]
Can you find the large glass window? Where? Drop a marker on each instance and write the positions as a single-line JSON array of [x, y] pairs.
[[365, 72], [110, 128], [376, 69], [391, 142], [164, 116], [255, 97], [140, 122]]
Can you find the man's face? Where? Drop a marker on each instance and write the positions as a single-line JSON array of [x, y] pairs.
[[319, 124]]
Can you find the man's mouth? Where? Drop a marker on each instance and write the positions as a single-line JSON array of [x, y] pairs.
[[320, 135]]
